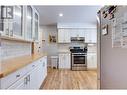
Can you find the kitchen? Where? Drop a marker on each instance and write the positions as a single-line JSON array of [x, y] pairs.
[[41, 46]]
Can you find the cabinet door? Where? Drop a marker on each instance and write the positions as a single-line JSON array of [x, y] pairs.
[[36, 25], [64, 36], [20, 84], [1, 21], [6, 19], [33, 79], [18, 21], [61, 60], [67, 36], [60, 35], [91, 61], [29, 23], [90, 35], [41, 74], [67, 62], [45, 66], [87, 35], [64, 60], [81, 32], [93, 35]]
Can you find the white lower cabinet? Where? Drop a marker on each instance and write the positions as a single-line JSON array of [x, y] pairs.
[[20, 84], [29, 80], [64, 60], [34, 78], [91, 61]]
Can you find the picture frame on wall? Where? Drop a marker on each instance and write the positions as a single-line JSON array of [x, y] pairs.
[[105, 30], [52, 38]]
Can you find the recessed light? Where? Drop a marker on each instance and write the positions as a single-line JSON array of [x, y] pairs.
[[60, 14]]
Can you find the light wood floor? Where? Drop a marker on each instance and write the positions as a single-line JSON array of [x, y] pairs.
[[67, 79]]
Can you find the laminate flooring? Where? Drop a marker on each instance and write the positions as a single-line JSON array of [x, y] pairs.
[[68, 80]]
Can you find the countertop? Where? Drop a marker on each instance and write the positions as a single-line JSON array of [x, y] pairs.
[[11, 65]]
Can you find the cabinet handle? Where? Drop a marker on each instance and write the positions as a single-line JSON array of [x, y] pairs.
[[17, 76], [25, 80], [28, 78], [7, 31], [33, 65], [43, 64], [11, 32]]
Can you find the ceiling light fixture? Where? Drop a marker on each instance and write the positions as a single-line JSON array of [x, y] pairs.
[[60, 14]]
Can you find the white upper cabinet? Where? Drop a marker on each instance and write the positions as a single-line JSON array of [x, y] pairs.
[[36, 25], [12, 21], [60, 36], [80, 32], [63, 36], [19, 22], [17, 29], [90, 35], [94, 35], [29, 23], [67, 36], [77, 32], [0, 21]]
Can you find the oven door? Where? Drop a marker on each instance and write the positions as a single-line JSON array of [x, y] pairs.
[[79, 60]]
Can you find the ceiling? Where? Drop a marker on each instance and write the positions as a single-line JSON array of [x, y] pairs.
[[49, 15]]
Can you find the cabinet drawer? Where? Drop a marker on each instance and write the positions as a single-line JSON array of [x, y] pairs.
[[12, 78], [33, 65], [18, 83]]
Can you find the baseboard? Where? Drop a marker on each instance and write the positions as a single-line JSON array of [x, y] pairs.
[[64, 69], [42, 85], [92, 69]]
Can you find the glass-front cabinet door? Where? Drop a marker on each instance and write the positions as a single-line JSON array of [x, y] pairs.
[[6, 19], [29, 23], [18, 21], [11, 21], [36, 24], [1, 22]]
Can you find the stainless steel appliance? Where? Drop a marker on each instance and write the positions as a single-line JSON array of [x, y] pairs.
[[112, 47], [78, 39], [78, 58]]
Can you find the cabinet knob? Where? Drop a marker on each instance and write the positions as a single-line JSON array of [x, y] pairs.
[[17, 75], [33, 65]]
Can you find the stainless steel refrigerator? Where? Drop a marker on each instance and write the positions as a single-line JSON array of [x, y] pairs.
[[112, 47]]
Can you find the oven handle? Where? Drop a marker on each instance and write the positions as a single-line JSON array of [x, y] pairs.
[[79, 55]]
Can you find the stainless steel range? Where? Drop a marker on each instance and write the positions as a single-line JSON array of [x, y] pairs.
[[78, 58]]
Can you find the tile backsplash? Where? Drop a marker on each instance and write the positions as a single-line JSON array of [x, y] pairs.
[[11, 49]]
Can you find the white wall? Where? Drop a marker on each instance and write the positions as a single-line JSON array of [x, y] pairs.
[[49, 48]]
